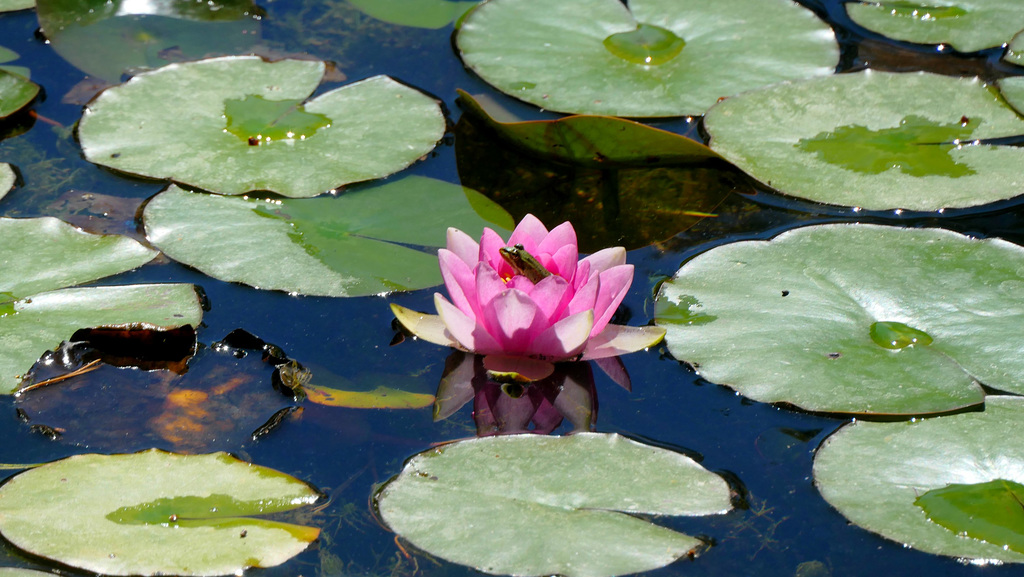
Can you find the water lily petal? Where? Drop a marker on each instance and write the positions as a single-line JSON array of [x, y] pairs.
[[582, 275], [459, 280], [564, 339], [464, 329], [463, 246], [520, 282], [551, 294], [614, 285], [584, 298], [487, 286], [427, 327], [490, 243], [607, 258], [562, 236], [529, 232], [563, 262], [515, 321], [617, 340]]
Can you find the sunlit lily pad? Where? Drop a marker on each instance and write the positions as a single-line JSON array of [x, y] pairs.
[[538, 505], [155, 513], [12, 5], [224, 138], [351, 245], [106, 38], [18, 572], [656, 58], [881, 476], [7, 178], [853, 318], [431, 14], [43, 255], [875, 140], [1012, 89], [1015, 50], [966, 25]]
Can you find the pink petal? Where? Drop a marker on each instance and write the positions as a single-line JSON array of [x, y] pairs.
[[529, 232], [487, 285], [563, 262], [614, 285], [585, 297], [520, 282], [464, 329], [617, 340], [551, 294], [490, 243], [582, 275], [605, 259], [561, 236], [515, 321], [564, 339], [463, 246], [459, 280], [427, 327]]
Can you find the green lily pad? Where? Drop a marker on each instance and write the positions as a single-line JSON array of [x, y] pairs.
[[43, 255], [876, 475], [7, 55], [601, 142], [155, 513], [7, 178], [656, 58], [18, 572], [105, 38], [431, 14], [874, 140], [12, 5], [991, 511], [966, 25], [16, 92], [1015, 50], [853, 318], [1012, 89], [376, 127], [567, 497], [352, 245]]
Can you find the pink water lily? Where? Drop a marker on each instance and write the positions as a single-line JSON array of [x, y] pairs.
[[556, 309]]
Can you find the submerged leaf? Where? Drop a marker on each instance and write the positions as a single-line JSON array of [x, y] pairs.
[[380, 398], [256, 118], [992, 511]]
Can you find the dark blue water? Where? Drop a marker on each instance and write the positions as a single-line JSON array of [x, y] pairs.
[[786, 528]]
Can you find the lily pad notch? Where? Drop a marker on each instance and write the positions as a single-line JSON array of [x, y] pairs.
[[247, 126]]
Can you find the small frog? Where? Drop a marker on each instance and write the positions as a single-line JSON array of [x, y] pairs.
[[524, 263]]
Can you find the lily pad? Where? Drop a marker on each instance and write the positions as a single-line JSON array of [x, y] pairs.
[[8, 55], [105, 38], [155, 513], [18, 572], [1015, 50], [875, 140], [598, 57], [42, 255], [876, 475], [7, 178], [602, 142], [966, 25], [853, 318], [16, 92], [550, 505], [222, 139], [1012, 89], [356, 244], [432, 14], [12, 5]]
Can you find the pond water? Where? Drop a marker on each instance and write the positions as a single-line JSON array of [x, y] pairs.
[[784, 526]]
